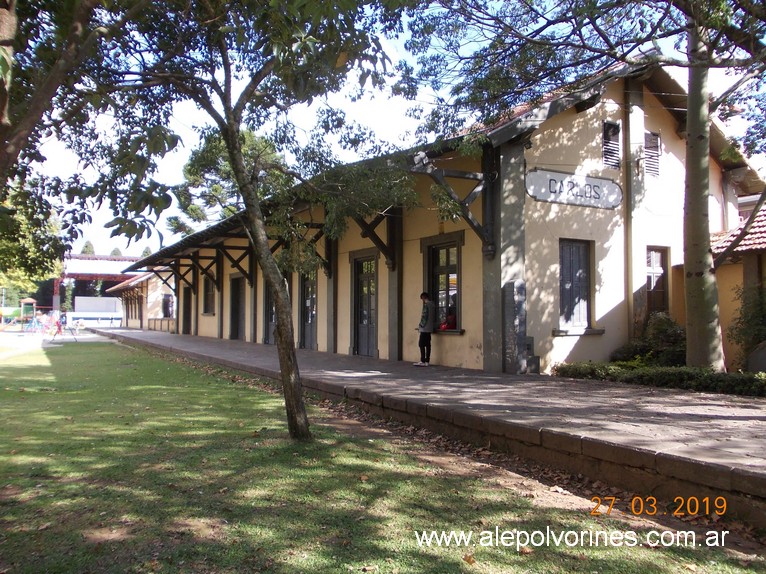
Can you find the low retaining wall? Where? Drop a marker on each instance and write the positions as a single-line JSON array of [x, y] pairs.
[[167, 325], [671, 479]]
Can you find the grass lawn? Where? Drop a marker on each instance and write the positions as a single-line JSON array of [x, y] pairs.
[[118, 460]]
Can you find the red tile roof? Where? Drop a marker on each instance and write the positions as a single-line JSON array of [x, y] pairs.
[[755, 240]]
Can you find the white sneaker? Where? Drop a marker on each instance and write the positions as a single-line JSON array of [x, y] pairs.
[[420, 364]]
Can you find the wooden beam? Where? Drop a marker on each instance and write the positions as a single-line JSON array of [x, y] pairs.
[[279, 243], [485, 232], [166, 279], [211, 261], [368, 231], [236, 262], [182, 275]]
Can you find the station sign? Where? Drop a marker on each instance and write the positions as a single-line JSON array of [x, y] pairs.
[[573, 189]]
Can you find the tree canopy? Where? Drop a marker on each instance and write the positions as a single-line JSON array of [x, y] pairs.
[[210, 188], [30, 246], [43, 47], [486, 58]]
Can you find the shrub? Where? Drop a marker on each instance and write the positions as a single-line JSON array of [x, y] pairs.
[[688, 378], [749, 328], [666, 340], [637, 348], [598, 371], [663, 344]]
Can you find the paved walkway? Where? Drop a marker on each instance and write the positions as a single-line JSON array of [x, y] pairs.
[[659, 442]]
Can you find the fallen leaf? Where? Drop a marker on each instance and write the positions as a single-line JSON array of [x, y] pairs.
[[469, 559], [559, 490], [369, 568], [525, 550], [364, 478]]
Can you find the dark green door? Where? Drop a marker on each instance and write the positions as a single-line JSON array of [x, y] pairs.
[[365, 313]]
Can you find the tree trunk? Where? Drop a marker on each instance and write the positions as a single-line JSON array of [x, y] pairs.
[[297, 419], [704, 346], [292, 388]]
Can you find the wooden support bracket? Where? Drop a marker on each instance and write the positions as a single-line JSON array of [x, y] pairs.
[[182, 274], [484, 231], [164, 278], [368, 231], [236, 261]]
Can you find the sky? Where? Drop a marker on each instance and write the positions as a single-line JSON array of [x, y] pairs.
[[386, 116]]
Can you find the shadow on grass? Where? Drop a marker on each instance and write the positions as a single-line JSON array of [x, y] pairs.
[[114, 460]]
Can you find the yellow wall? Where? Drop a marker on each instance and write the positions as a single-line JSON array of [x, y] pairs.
[[155, 292], [571, 142], [464, 350], [351, 242], [729, 278], [207, 322], [229, 272]]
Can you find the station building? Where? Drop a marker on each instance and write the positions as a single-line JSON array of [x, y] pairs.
[[570, 233]]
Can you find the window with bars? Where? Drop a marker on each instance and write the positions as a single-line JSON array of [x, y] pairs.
[[208, 296], [442, 264], [167, 306], [611, 145], [656, 279], [652, 154], [574, 284]]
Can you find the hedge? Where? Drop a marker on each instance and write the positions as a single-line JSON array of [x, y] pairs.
[[687, 378]]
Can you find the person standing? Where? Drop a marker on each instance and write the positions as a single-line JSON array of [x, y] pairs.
[[426, 327]]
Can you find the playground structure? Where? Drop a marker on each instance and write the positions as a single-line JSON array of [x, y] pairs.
[[29, 318]]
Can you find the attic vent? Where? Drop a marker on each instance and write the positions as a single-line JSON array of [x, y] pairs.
[[652, 154], [611, 146]]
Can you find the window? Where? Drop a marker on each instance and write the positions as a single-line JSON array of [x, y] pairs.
[[656, 279], [574, 284], [442, 266], [611, 145], [208, 296], [652, 154], [167, 305]]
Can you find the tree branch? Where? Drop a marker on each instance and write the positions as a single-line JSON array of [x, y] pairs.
[[745, 41], [251, 87], [74, 50]]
